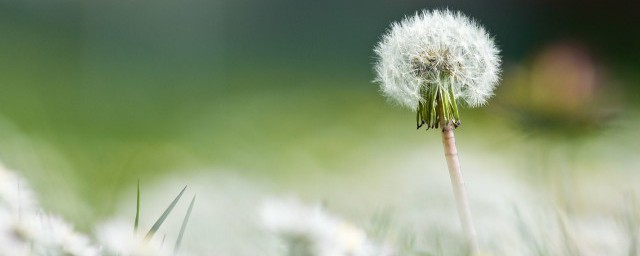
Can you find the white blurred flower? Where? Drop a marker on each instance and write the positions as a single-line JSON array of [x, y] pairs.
[[51, 235], [437, 54], [226, 222], [118, 238], [26, 230], [319, 233]]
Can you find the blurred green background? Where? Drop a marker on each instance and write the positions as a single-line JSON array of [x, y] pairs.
[[97, 94]]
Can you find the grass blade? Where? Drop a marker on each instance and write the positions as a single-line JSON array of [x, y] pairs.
[[135, 223], [184, 225], [164, 215]]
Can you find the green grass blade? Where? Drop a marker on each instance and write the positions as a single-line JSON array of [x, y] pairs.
[[135, 223], [164, 215], [184, 225]]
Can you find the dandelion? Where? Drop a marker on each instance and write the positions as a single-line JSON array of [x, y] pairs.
[[428, 63], [431, 60], [584, 101], [312, 231], [26, 230], [118, 238]]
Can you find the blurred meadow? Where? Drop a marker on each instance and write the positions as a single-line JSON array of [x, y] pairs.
[[242, 100]]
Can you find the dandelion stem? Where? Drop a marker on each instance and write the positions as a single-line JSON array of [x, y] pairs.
[[457, 182]]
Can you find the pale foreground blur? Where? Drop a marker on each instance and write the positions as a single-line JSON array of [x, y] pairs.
[[398, 204]]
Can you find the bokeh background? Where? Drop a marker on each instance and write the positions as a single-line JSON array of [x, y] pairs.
[[95, 95]]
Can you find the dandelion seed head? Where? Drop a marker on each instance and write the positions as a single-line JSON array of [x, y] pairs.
[[434, 47]]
